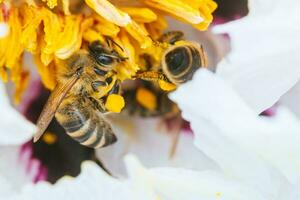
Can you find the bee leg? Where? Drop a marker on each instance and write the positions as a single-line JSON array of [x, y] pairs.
[[115, 89], [97, 84], [162, 80], [151, 76], [98, 104]]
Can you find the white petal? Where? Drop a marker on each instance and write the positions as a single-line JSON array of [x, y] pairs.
[[152, 146], [13, 174], [263, 64], [224, 126], [92, 183], [14, 128], [291, 99], [148, 184], [290, 193], [177, 184]]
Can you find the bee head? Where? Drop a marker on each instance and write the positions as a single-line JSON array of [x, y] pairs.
[[104, 55]]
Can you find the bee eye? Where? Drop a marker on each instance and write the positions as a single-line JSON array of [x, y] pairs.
[[177, 60], [105, 60]]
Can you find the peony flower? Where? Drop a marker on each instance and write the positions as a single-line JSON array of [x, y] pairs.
[[237, 154]]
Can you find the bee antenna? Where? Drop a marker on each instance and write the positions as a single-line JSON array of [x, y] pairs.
[[108, 39]]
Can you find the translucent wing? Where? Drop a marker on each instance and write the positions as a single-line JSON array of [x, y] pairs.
[[52, 104]]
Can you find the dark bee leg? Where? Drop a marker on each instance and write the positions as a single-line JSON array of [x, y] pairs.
[[97, 84], [115, 89], [156, 76], [171, 37], [151, 76], [98, 104]]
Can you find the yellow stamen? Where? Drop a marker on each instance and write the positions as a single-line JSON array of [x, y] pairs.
[[29, 34], [31, 3], [114, 103], [10, 55], [108, 11], [139, 34], [47, 73], [66, 5], [140, 15], [4, 30], [91, 35], [178, 8], [51, 3], [21, 84], [52, 29], [106, 28], [156, 28], [3, 74], [146, 98], [70, 39], [127, 69]]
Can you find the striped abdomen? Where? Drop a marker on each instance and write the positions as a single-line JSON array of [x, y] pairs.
[[180, 62], [84, 124]]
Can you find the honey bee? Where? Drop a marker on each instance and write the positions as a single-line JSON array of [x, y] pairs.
[[77, 102], [179, 61]]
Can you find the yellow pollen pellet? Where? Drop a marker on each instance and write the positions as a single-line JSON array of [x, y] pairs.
[[146, 98], [114, 103], [49, 138], [166, 86]]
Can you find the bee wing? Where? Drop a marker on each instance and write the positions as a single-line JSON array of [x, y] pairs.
[[52, 104]]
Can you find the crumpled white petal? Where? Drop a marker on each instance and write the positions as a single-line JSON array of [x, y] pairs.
[[92, 183], [152, 145], [263, 64], [148, 184], [255, 150], [291, 99], [13, 172], [14, 128], [178, 184]]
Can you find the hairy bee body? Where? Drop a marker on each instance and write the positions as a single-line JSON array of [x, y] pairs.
[[78, 101], [79, 113], [82, 122]]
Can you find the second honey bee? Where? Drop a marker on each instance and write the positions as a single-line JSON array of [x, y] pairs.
[[179, 61], [84, 81]]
